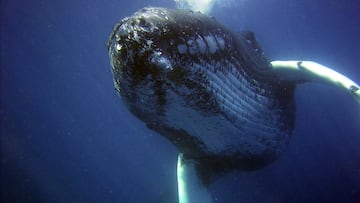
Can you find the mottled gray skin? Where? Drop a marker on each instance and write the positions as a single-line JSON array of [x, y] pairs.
[[208, 90]]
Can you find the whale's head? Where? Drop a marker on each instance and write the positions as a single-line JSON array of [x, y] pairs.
[[152, 51], [206, 89]]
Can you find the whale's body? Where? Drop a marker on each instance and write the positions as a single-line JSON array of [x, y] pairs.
[[208, 90]]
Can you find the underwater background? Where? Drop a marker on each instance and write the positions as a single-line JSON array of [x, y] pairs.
[[67, 137]]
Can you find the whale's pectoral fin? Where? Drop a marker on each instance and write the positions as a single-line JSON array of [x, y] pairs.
[[191, 187], [308, 71]]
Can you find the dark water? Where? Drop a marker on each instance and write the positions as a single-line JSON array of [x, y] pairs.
[[66, 137]]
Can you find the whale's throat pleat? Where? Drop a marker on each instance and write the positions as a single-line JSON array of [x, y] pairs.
[[226, 108]]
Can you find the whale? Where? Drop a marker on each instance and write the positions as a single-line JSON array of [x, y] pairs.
[[210, 91]]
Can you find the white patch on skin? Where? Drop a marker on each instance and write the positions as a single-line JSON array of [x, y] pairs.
[[211, 43], [124, 29], [182, 48], [201, 44], [193, 49], [149, 43], [161, 61], [136, 36], [153, 12], [118, 47], [221, 41]]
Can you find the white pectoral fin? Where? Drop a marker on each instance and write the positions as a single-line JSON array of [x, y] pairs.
[[303, 71], [190, 187]]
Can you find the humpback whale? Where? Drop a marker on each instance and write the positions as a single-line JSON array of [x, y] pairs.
[[210, 91]]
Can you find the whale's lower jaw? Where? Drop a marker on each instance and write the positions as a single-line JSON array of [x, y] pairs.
[[204, 88]]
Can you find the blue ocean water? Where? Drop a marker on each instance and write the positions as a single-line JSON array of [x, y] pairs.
[[67, 137]]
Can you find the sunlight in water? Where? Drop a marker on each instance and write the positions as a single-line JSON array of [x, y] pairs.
[[204, 6]]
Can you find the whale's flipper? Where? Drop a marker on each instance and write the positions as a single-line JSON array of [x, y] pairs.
[[191, 189], [308, 71]]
